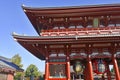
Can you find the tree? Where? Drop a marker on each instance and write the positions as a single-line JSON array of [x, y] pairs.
[[16, 59], [32, 70]]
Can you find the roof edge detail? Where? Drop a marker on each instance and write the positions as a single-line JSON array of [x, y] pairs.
[[72, 7]]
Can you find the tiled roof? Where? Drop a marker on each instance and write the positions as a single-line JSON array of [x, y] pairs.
[[6, 64]]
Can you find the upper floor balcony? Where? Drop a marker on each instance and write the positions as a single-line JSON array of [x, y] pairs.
[[81, 31]]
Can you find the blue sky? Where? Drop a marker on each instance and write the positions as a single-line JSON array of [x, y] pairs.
[[13, 19]]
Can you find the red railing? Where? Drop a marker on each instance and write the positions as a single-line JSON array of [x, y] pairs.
[[80, 31]]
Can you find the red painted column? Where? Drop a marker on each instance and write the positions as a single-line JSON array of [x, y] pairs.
[[117, 74], [68, 62], [46, 64], [108, 73], [46, 70], [90, 69], [68, 70]]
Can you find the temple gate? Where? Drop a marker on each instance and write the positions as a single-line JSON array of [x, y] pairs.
[[76, 42]]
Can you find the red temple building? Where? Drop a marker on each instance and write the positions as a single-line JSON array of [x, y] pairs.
[[77, 42]]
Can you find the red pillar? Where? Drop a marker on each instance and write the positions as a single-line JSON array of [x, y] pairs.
[[68, 70], [46, 65], [68, 62], [117, 74], [108, 72], [90, 69], [46, 70]]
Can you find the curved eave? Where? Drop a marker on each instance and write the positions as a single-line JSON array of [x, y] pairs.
[[66, 39], [70, 7], [30, 42], [72, 11], [76, 11], [29, 46]]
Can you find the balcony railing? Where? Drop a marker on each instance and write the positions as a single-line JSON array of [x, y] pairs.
[[81, 31]]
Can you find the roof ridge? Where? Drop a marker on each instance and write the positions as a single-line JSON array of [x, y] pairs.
[[5, 59]]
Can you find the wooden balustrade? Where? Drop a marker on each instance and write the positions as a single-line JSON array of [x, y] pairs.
[[80, 31]]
